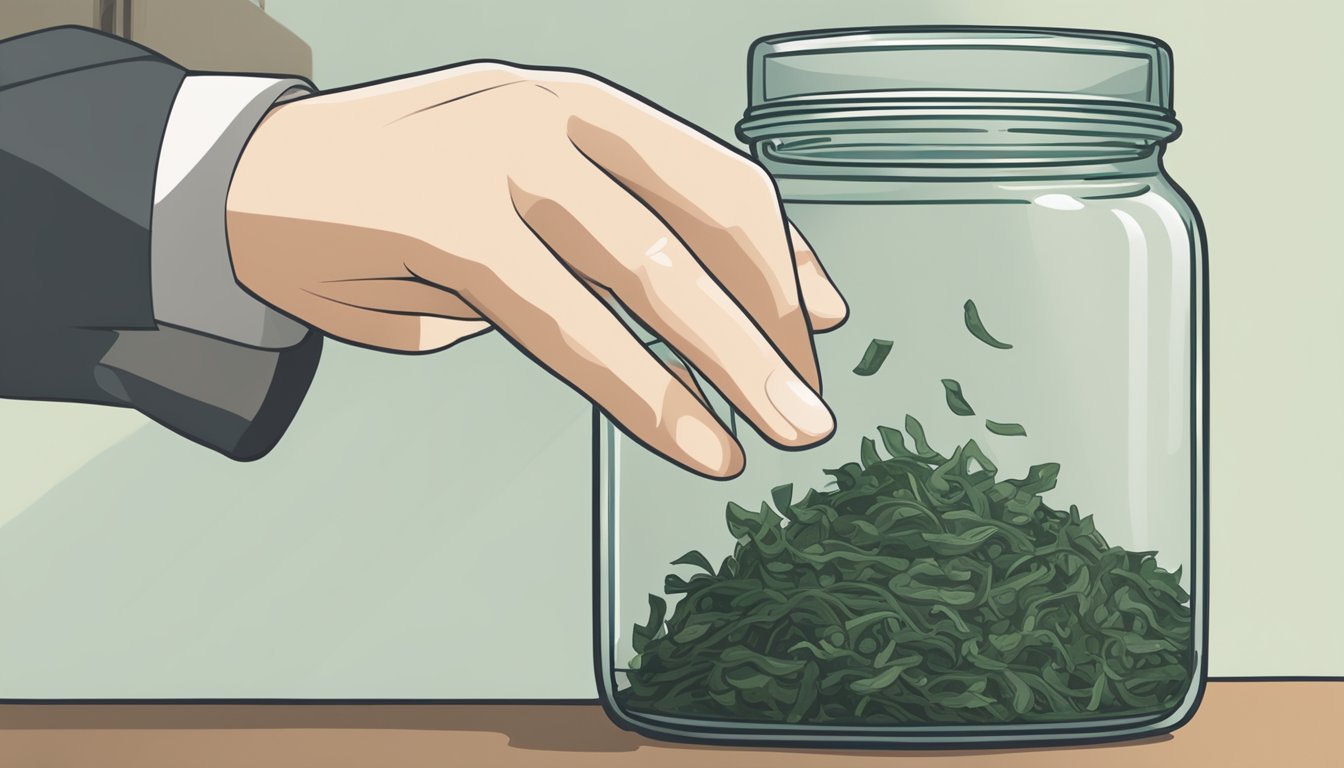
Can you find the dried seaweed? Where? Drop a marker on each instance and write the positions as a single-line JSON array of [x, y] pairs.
[[919, 589]]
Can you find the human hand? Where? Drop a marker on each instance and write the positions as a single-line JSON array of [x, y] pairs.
[[411, 214]]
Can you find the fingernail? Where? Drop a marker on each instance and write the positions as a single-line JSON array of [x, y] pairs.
[[706, 446], [799, 404]]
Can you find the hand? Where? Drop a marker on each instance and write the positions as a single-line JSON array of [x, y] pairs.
[[411, 214]]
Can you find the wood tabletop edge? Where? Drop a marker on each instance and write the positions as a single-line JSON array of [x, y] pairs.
[[1240, 722]]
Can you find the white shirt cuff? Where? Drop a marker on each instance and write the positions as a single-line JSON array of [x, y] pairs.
[[191, 273]]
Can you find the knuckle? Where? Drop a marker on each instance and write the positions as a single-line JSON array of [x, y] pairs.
[[575, 82], [757, 204], [756, 181], [499, 68], [543, 102], [578, 90], [474, 274], [527, 87]]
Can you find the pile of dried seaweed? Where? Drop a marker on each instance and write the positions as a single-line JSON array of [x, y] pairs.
[[920, 589]]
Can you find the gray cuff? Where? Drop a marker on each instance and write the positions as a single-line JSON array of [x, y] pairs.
[[235, 399], [194, 287]]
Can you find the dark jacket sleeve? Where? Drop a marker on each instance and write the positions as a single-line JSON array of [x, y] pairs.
[[82, 117]]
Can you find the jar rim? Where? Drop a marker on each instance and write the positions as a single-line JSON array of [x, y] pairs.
[[830, 82], [1066, 62]]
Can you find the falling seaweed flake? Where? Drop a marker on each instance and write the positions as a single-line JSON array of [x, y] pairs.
[[1005, 428], [977, 327], [873, 357], [956, 401]]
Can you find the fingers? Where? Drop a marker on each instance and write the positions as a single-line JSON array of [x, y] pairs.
[[550, 315], [613, 240], [826, 308], [722, 205]]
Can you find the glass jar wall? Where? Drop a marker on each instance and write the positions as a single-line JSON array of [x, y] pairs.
[[1003, 542]]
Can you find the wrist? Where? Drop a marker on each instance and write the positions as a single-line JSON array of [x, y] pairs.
[[251, 202], [213, 118]]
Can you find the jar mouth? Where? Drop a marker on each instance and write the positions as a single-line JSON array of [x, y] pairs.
[[953, 128]]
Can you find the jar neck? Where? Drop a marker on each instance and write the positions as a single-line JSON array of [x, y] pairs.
[[961, 135]]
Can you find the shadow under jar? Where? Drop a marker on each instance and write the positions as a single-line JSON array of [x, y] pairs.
[[1004, 541]]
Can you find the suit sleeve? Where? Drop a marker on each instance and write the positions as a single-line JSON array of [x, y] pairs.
[[82, 119]]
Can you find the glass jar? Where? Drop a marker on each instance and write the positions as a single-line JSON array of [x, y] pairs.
[[1004, 541]]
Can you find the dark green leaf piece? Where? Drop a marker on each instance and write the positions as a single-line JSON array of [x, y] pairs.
[[955, 399], [642, 635], [873, 357], [977, 328], [1005, 428], [694, 557]]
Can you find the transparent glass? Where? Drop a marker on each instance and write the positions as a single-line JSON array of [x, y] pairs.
[[905, 607]]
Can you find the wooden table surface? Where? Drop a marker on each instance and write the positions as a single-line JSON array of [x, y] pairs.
[[1263, 724]]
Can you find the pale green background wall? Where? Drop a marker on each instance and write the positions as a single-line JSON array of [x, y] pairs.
[[371, 555]]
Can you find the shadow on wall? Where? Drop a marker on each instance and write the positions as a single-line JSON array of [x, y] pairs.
[[207, 35]]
